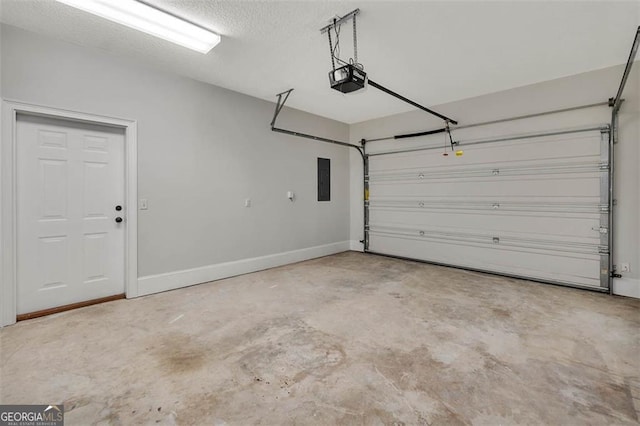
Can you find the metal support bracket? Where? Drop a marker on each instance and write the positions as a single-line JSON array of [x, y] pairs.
[[450, 137], [280, 104], [339, 20]]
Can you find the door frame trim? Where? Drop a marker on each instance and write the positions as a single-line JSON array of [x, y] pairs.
[[8, 194]]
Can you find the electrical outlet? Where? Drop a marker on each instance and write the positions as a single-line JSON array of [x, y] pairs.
[[624, 267], [144, 205], [247, 202]]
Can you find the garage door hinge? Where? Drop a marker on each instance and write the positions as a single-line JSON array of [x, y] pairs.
[[604, 166], [603, 250], [602, 230]]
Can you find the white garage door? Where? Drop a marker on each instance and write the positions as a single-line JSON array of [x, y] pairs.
[[533, 206]]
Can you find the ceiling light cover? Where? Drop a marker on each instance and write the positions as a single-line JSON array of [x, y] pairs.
[[145, 18]]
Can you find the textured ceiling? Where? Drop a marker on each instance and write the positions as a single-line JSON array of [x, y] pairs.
[[432, 52]]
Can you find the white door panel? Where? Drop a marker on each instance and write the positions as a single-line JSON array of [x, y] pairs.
[[70, 177], [532, 208], [557, 148], [557, 266], [584, 228], [492, 188]]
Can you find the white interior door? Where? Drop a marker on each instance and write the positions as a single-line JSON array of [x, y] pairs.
[[70, 178]]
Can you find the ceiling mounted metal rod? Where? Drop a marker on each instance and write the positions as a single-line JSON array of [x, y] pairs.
[[410, 102], [617, 101], [338, 21], [280, 104], [537, 114], [603, 128], [486, 123], [315, 138]]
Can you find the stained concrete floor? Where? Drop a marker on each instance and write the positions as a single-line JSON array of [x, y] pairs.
[[346, 339]]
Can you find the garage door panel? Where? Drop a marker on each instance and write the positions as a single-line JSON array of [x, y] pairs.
[[533, 208], [511, 205], [522, 240], [577, 269], [497, 188], [575, 149], [584, 228], [469, 161]]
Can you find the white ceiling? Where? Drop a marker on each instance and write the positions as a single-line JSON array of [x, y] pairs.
[[431, 52]]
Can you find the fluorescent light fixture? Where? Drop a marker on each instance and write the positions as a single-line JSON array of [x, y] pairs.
[[150, 20]]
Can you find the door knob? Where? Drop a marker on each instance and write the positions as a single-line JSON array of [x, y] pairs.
[[118, 219], [118, 208]]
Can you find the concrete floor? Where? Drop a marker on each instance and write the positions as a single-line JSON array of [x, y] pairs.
[[346, 339]]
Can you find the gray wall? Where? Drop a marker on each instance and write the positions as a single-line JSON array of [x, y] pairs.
[[587, 88], [202, 150]]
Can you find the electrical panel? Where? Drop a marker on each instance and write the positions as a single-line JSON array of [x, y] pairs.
[[324, 179]]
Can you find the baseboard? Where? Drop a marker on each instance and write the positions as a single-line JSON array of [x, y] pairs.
[[172, 280], [355, 245], [629, 287]]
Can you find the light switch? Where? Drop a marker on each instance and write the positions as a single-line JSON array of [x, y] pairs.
[[144, 204], [247, 202]]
